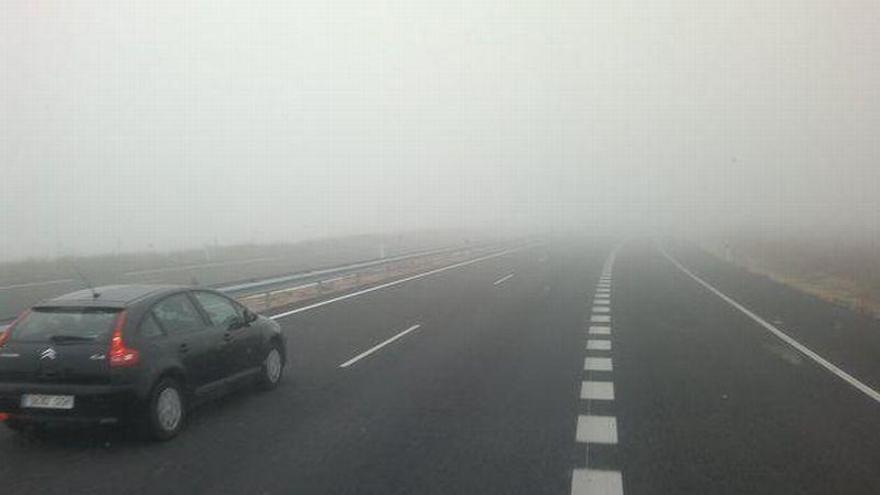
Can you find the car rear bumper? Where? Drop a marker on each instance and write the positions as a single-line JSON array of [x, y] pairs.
[[96, 404]]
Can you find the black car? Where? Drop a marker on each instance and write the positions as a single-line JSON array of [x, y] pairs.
[[132, 352]]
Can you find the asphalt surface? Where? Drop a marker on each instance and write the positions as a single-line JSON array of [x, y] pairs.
[[483, 392]]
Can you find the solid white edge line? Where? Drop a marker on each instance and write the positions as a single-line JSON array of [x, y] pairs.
[[503, 279], [378, 346], [843, 375], [393, 283]]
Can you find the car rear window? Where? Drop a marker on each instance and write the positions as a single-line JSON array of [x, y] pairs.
[[65, 325]]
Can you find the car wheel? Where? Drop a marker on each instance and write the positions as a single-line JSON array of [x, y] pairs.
[[166, 410], [273, 368]]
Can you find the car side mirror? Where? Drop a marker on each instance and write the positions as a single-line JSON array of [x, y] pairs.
[[249, 316]]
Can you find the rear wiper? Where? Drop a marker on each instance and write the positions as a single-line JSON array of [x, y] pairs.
[[59, 339]]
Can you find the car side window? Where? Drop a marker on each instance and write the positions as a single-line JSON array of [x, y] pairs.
[[149, 327], [177, 315], [222, 312]]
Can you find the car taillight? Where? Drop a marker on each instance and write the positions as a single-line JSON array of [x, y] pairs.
[[120, 355], [4, 416], [4, 337]]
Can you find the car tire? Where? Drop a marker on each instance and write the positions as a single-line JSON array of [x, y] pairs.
[[272, 369], [166, 410]]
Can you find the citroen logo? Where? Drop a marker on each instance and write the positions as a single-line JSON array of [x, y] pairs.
[[48, 354]]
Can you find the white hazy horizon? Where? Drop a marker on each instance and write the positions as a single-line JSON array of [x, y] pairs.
[[171, 124]]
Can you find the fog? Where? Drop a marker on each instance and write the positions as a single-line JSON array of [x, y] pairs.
[[140, 125]]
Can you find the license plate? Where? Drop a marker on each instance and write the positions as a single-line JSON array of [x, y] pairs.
[[47, 401]]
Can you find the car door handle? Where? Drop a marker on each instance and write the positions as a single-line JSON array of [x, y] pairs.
[[184, 348]]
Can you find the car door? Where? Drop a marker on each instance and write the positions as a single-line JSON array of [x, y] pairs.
[[240, 342], [189, 337]]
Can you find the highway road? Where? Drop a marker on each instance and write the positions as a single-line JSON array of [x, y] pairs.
[[576, 367]]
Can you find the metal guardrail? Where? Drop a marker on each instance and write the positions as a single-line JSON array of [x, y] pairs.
[[265, 294], [368, 274], [249, 287]]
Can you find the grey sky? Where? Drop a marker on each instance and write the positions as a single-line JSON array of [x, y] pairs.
[[172, 123]]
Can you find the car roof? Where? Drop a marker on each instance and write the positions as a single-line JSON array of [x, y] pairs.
[[116, 296]]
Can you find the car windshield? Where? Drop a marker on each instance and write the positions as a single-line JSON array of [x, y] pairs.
[[61, 325]]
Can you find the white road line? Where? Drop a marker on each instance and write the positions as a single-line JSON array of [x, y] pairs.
[[598, 364], [503, 279], [35, 284], [394, 283], [596, 429], [600, 330], [377, 347], [597, 390], [598, 345], [594, 482], [843, 375]]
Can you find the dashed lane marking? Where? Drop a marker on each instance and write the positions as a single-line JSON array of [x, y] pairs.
[[600, 330], [503, 279], [597, 429], [593, 429], [395, 283], [597, 390], [595, 482], [598, 364], [598, 345], [378, 346]]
